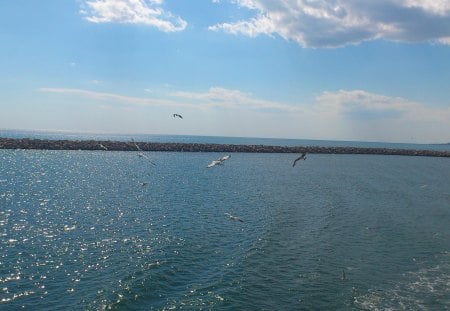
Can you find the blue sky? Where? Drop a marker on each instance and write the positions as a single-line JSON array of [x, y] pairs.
[[339, 69]]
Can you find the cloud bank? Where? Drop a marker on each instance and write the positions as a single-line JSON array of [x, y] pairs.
[[111, 97], [147, 12], [335, 23], [362, 115], [232, 99], [343, 114], [309, 23]]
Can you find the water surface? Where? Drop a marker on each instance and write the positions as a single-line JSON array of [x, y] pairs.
[[97, 230]]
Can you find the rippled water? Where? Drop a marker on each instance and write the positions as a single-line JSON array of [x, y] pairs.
[[98, 230]]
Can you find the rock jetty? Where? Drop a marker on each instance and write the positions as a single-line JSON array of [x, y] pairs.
[[44, 144]]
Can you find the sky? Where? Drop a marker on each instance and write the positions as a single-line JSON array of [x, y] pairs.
[[361, 70]]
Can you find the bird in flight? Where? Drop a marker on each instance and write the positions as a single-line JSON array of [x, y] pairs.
[[343, 276], [141, 154], [224, 158], [302, 157], [233, 217], [136, 145], [103, 147], [214, 163], [219, 161], [177, 115]]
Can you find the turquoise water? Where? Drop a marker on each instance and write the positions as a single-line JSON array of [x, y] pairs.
[[108, 230]]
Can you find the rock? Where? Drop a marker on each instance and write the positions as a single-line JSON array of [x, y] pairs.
[[44, 144]]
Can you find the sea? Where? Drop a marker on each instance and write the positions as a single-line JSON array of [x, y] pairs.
[[108, 230]]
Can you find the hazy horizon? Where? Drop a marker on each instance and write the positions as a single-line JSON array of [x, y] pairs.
[[134, 134]]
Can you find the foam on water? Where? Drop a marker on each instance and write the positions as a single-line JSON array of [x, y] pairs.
[[424, 289]]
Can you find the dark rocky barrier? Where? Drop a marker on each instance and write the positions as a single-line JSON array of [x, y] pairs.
[[25, 143]]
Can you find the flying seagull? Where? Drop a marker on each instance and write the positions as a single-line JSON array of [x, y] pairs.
[[219, 161], [343, 276], [302, 157], [141, 154], [233, 217], [136, 145], [103, 147], [224, 158], [214, 163], [177, 115]]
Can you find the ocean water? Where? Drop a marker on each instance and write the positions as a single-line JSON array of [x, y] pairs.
[[82, 230]]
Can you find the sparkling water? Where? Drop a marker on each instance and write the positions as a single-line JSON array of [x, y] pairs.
[[108, 230]]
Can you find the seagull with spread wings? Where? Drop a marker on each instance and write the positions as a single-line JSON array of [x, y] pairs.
[[219, 161], [233, 217], [302, 157], [140, 153]]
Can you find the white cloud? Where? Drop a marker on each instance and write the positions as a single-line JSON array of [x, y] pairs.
[[356, 104], [215, 97], [232, 99], [333, 23], [359, 103], [365, 105], [147, 12], [362, 115], [112, 97], [439, 7]]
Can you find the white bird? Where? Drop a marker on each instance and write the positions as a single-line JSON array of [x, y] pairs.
[[103, 147], [136, 145], [214, 163], [141, 154], [302, 157], [233, 217], [224, 158], [219, 161]]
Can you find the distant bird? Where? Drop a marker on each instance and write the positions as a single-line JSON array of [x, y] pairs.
[[302, 157], [214, 163], [224, 158], [219, 161], [103, 147], [144, 184], [141, 154], [136, 145], [177, 115], [233, 217]]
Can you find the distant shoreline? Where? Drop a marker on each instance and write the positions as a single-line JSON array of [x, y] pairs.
[[48, 144]]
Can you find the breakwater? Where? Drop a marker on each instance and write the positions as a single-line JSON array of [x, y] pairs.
[[44, 144]]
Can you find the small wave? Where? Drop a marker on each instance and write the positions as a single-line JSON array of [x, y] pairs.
[[69, 228]]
